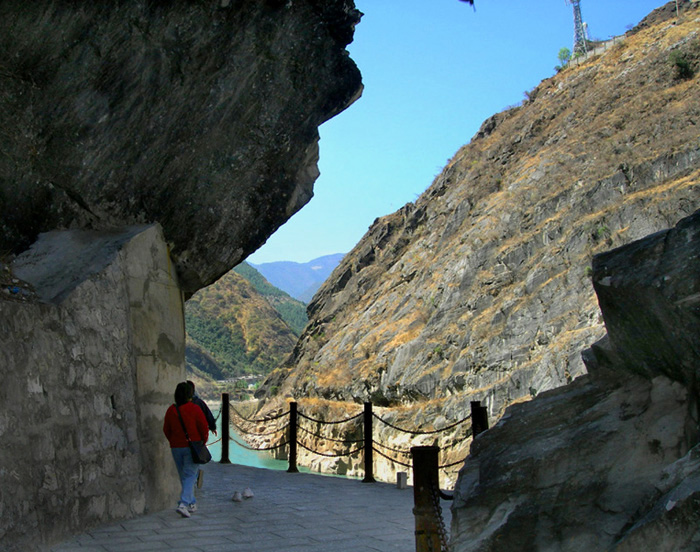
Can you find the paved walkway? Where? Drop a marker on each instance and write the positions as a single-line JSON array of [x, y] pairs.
[[289, 513]]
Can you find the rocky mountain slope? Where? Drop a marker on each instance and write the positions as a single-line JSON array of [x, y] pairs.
[[292, 311], [481, 289], [609, 462], [233, 330]]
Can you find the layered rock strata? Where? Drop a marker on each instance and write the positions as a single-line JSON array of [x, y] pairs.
[[480, 290], [609, 462]]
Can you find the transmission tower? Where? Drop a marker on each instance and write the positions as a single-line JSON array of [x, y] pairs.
[[580, 31]]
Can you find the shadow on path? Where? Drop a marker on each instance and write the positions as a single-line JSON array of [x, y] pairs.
[[290, 512]]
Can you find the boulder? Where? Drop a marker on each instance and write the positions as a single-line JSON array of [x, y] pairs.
[[199, 116], [649, 298], [609, 462]]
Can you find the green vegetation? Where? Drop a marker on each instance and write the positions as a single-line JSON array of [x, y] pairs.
[[261, 285], [603, 231], [234, 331], [563, 56], [292, 311], [680, 62], [223, 340]]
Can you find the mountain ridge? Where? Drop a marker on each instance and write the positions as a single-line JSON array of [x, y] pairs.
[[292, 311], [240, 325], [300, 280], [480, 290]]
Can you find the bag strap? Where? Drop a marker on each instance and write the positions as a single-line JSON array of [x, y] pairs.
[[183, 424]]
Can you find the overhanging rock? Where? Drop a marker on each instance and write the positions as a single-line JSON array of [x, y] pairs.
[[199, 116]]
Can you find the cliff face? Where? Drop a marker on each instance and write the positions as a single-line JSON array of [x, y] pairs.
[[481, 289], [609, 462], [201, 116], [146, 147]]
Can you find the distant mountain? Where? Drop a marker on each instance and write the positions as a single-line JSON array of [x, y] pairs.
[[292, 311], [300, 280], [233, 330]]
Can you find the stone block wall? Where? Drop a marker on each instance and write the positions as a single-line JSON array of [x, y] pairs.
[[88, 370]]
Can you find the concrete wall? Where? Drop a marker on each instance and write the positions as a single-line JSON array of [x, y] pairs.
[[88, 370]]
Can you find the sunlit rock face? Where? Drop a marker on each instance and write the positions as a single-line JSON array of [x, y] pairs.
[[609, 462], [200, 116], [481, 290]]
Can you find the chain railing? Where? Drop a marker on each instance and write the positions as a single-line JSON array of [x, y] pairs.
[[430, 527]]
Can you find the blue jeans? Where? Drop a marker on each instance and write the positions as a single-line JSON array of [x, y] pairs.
[[187, 470]]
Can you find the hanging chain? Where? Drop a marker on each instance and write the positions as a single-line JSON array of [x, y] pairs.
[[437, 507]]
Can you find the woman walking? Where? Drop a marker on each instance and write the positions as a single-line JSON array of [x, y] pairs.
[[185, 412]]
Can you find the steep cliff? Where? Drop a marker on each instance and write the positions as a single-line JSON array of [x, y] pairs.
[[146, 147], [481, 289], [201, 116], [609, 462]]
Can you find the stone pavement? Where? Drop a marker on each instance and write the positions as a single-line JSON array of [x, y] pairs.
[[290, 512]]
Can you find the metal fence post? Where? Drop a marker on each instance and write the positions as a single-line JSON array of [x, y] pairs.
[[293, 438], [480, 418], [225, 421], [425, 482], [369, 456]]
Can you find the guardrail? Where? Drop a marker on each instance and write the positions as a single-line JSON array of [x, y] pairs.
[[430, 528]]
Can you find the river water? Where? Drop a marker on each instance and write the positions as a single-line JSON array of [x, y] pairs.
[[240, 455], [246, 457]]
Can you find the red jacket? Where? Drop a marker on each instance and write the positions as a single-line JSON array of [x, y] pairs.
[[195, 422]]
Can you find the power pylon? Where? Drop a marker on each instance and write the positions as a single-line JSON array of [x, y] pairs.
[[580, 30]]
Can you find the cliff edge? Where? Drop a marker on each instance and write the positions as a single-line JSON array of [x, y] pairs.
[[199, 116]]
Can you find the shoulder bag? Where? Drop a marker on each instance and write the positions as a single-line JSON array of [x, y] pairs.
[[200, 452]]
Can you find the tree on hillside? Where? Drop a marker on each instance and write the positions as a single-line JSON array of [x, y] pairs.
[[563, 56]]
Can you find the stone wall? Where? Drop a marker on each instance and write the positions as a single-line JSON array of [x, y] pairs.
[[88, 370]]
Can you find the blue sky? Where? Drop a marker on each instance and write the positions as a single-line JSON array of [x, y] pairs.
[[433, 71]]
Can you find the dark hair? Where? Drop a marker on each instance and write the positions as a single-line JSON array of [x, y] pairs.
[[191, 384], [183, 393]]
